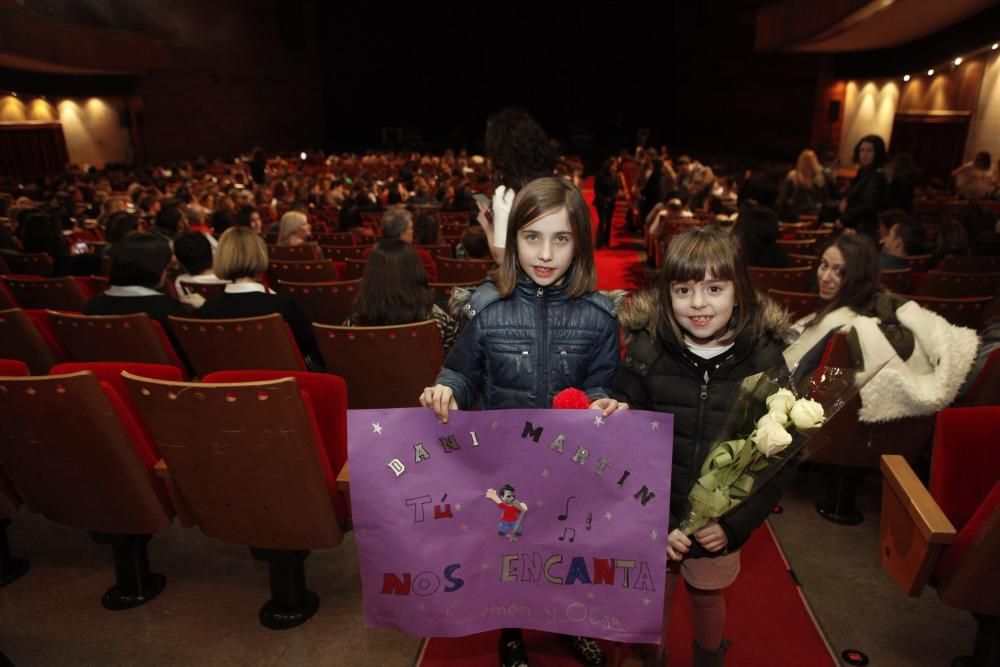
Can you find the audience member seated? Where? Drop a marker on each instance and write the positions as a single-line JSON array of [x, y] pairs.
[[952, 239], [194, 252], [975, 179], [804, 190], [220, 221], [474, 244], [248, 216], [427, 228], [904, 238], [921, 374], [902, 176], [294, 229], [138, 272], [865, 196], [394, 290], [41, 232], [397, 223], [241, 258], [757, 224], [170, 222]]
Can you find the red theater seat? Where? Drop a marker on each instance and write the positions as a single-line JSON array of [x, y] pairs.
[[254, 469], [385, 367], [76, 454], [26, 336], [264, 342], [133, 337], [950, 536]]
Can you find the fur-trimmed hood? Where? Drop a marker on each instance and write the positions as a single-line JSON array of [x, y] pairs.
[[642, 312]]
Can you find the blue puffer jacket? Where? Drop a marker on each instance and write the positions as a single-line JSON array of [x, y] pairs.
[[520, 351]]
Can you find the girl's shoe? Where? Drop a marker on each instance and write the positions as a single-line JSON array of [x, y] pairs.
[[513, 653], [716, 658]]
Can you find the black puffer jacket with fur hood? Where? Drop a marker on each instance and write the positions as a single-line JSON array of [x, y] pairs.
[[658, 374]]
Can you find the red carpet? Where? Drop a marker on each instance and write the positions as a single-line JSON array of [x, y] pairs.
[[768, 622], [620, 266]]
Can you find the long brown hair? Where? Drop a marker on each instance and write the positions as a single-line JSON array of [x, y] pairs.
[[712, 251], [394, 287], [860, 280], [539, 198]]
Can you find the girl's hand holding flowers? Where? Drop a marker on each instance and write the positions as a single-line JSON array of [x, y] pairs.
[[678, 544], [712, 537]]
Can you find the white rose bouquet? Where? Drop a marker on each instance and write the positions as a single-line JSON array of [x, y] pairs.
[[773, 420]]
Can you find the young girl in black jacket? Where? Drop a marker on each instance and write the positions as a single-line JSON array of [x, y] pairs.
[[690, 344]]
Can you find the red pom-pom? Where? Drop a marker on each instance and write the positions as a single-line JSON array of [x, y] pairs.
[[570, 398]]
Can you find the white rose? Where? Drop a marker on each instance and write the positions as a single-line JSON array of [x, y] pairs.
[[807, 414], [775, 416], [781, 400], [770, 436]]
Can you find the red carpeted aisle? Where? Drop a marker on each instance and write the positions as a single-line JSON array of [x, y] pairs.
[[621, 265], [768, 623]]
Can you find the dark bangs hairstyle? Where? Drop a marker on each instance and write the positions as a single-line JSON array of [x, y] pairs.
[[878, 144], [860, 279], [394, 287], [537, 199], [710, 250]]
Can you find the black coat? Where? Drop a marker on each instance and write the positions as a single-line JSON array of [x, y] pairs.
[[657, 374], [865, 199]]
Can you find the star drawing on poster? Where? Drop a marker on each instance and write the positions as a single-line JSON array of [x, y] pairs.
[[607, 515], [655, 425], [598, 420], [653, 535], [377, 428]]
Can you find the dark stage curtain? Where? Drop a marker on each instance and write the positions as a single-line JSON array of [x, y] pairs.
[[32, 149], [936, 143]]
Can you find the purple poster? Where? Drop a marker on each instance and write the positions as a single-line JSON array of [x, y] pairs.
[[547, 519]]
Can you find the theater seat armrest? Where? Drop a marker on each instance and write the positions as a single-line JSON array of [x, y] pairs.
[[913, 531], [344, 483], [183, 514]]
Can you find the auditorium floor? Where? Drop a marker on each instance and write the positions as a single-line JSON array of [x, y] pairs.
[[208, 613], [856, 604]]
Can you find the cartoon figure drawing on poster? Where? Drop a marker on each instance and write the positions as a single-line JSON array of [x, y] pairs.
[[512, 511]]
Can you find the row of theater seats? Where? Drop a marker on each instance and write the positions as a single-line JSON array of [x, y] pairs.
[[120, 450], [324, 302], [304, 263], [384, 366]]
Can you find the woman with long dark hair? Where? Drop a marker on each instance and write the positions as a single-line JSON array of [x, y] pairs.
[[865, 196], [394, 290], [925, 358]]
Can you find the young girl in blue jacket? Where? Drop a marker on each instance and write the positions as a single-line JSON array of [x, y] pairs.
[[535, 328], [691, 342]]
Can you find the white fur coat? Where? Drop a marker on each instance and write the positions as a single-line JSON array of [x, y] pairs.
[[923, 384]]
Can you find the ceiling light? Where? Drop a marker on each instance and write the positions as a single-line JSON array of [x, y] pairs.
[[906, 77], [995, 45], [930, 72], [958, 61]]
